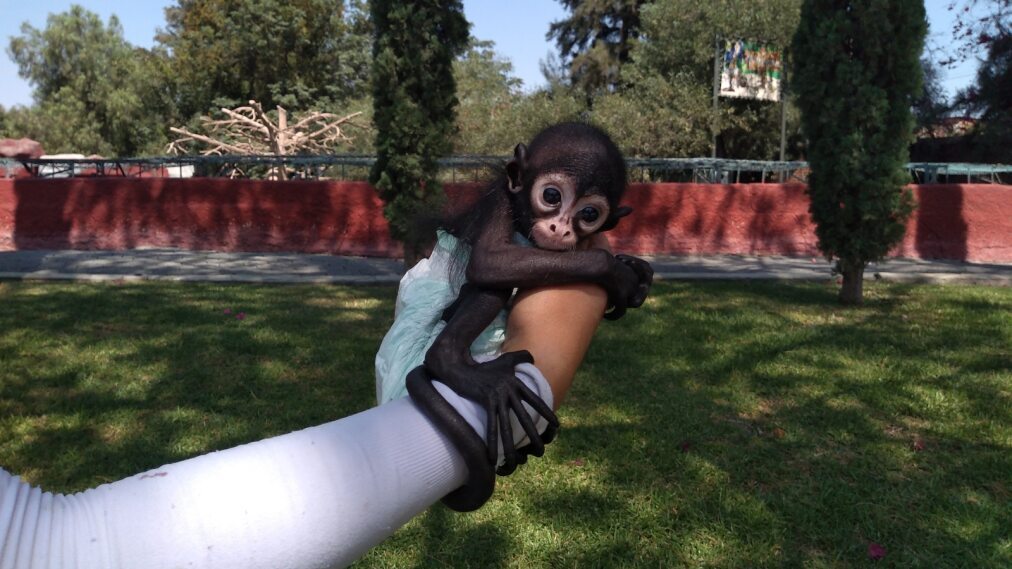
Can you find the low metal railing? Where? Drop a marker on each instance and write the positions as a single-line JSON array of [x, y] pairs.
[[463, 168], [933, 173]]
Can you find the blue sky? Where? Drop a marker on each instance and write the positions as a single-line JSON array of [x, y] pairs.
[[517, 27]]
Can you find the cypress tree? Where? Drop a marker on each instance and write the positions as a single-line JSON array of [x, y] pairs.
[[414, 99], [856, 75]]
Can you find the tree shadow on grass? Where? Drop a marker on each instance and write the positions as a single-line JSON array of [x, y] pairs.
[[727, 424], [105, 381], [450, 541], [790, 431]]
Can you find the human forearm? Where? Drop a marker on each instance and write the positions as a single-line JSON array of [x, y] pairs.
[[556, 324]]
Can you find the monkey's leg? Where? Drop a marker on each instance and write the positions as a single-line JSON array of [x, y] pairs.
[[319, 497]]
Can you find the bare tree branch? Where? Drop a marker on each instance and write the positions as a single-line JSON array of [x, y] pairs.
[[249, 130]]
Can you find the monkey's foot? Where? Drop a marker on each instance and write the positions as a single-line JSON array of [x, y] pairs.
[[463, 433]]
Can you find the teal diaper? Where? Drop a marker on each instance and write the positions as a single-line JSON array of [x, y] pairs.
[[425, 292]]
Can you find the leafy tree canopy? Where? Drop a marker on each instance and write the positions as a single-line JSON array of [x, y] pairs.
[[679, 35], [932, 105], [295, 53], [989, 98], [493, 114], [95, 93], [978, 23], [595, 40], [666, 105], [487, 92]]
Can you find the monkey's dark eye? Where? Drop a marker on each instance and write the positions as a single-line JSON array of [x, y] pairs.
[[552, 196], [589, 214]]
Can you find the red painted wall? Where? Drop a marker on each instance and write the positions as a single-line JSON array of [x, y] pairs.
[[964, 222], [770, 219], [200, 213]]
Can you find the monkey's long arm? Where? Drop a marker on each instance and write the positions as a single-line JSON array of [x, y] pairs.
[[496, 262]]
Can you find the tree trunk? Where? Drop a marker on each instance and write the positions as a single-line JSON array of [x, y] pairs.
[[852, 291], [411, 257], [415, 251], [281, 141]]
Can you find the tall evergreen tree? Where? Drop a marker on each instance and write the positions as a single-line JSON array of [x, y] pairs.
[[595, 40], [413, 99], [856, 75]]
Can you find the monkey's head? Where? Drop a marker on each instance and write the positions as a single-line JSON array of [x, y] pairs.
[[566, 185]]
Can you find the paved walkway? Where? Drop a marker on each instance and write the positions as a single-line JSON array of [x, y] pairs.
[[180, 265]]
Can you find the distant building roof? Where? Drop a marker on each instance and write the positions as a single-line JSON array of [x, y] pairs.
[[949, 127], [20, 148]]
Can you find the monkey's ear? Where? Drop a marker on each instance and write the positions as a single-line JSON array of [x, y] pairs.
[[516, 167], [621, 212]]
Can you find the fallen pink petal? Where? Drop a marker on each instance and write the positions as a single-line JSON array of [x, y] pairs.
[[240, 316], [227, 311], [876, 551]]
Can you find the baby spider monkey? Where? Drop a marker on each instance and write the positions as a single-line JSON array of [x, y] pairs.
[[554, 194]]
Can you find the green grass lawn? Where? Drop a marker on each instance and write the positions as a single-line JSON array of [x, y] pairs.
[[724, 424]]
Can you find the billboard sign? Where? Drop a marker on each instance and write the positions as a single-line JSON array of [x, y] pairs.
[[751, 70]]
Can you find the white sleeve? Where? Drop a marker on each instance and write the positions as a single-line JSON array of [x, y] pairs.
[[319, 497]]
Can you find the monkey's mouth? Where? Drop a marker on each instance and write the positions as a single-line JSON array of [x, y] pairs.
[[551, 244], [554, 247], [551, 240]]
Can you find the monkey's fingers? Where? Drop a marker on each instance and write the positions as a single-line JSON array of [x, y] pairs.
[[536, 444], [549, 434], [644, 272], [539, 405], [640, 296], [492, 432], [509, 451], [512, 456], [645, 276], [535, 447], [615, 313], [513, 359]]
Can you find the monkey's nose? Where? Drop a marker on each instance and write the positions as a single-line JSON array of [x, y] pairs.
[[555, 230]]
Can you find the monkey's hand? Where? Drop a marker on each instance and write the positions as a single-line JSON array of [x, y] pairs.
[[632, 280], [495, 386]]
